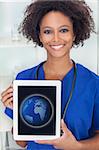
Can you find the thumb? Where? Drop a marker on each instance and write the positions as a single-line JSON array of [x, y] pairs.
[[64, 127]]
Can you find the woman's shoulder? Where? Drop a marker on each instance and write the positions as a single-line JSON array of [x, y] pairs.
[[85, 75], [85, 72], [27, 74], [88, 77]]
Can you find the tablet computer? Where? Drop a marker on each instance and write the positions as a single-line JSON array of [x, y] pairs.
[[36, 109]]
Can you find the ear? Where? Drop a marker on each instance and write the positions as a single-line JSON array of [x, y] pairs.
[[74, 38]]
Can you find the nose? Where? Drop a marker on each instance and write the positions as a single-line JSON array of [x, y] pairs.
[[56, 37]]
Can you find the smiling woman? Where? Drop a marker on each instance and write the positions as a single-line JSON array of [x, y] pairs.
[[81, 19], [56, 34], [58, 26]]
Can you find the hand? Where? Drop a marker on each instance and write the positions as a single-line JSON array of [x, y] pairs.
[[66, 142], [7, 97]]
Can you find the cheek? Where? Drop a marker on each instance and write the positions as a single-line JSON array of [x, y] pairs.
[[47, 39], [68, 39], [45, 42]]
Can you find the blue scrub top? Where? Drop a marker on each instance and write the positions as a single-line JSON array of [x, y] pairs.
[[82, 115]]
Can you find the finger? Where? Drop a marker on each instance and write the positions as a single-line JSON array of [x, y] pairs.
[[10, 105], [8, 90], [6, 97], [50, 142], [9, 102], [64, 127], [55, 147]]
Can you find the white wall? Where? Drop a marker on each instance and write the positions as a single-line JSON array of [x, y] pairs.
[[87, 55]]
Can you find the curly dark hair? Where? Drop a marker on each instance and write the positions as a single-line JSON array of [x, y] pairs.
[[77, 10]]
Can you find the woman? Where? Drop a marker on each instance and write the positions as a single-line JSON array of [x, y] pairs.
[[58, 26]]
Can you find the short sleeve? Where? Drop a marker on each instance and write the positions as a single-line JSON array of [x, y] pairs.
[[28, 74], [96, 107], [9, 112], [20, 76]]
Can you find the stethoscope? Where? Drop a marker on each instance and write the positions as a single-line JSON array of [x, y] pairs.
[[72, 88]]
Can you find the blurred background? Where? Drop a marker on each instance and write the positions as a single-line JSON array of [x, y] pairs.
[[16, 54]]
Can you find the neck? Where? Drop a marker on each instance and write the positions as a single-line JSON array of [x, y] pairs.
[[58, 67]]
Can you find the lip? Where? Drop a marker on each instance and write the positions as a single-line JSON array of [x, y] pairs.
[[57, 47]]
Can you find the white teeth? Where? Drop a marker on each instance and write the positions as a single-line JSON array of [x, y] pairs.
[[57, 47]]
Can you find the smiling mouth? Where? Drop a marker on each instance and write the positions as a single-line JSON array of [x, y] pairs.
[[56, 47]]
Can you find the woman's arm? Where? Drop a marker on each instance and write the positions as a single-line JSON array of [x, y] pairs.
[[68, 142], [22, 143], [7, 99], [91, 144]]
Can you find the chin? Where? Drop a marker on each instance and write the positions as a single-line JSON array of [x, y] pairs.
[[57, 56]]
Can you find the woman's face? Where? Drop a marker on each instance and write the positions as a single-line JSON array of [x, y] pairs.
[[56, 34]]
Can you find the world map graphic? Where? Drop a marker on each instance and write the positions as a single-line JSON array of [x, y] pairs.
[[36, 111]]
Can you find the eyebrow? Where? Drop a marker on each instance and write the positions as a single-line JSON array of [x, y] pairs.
[[59, 27]]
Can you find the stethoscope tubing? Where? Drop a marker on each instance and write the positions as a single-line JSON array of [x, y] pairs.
[[72, 88]]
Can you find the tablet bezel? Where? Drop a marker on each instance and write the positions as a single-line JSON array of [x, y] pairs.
[[16, 84]]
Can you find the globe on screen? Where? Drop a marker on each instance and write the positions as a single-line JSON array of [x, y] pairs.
[[36, 111]]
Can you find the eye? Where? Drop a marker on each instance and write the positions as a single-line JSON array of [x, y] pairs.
[[64, 30], [47, 31]]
